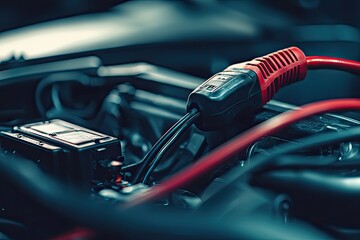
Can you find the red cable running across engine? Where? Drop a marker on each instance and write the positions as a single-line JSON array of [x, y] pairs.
[[239, 143], [272, 72]]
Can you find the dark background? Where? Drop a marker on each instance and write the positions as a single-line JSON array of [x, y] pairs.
[[14, 14], [196, 37]]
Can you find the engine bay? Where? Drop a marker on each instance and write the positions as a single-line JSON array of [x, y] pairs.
[[132, 115], [146, 147]]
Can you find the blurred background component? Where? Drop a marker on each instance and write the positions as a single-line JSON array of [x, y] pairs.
[[14, 14], [195, 37]]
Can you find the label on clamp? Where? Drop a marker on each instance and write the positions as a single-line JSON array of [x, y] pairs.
[[217, 81]]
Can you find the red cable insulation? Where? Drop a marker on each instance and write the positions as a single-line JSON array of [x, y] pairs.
[[239, 143], [77, 233], [320, 62]]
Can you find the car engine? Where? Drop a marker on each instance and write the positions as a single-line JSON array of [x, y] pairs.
[[182, 120]]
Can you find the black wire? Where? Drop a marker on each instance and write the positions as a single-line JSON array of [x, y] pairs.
[[177, 128], [262, 162], [291, 162], [77, 77], [182, 129]]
